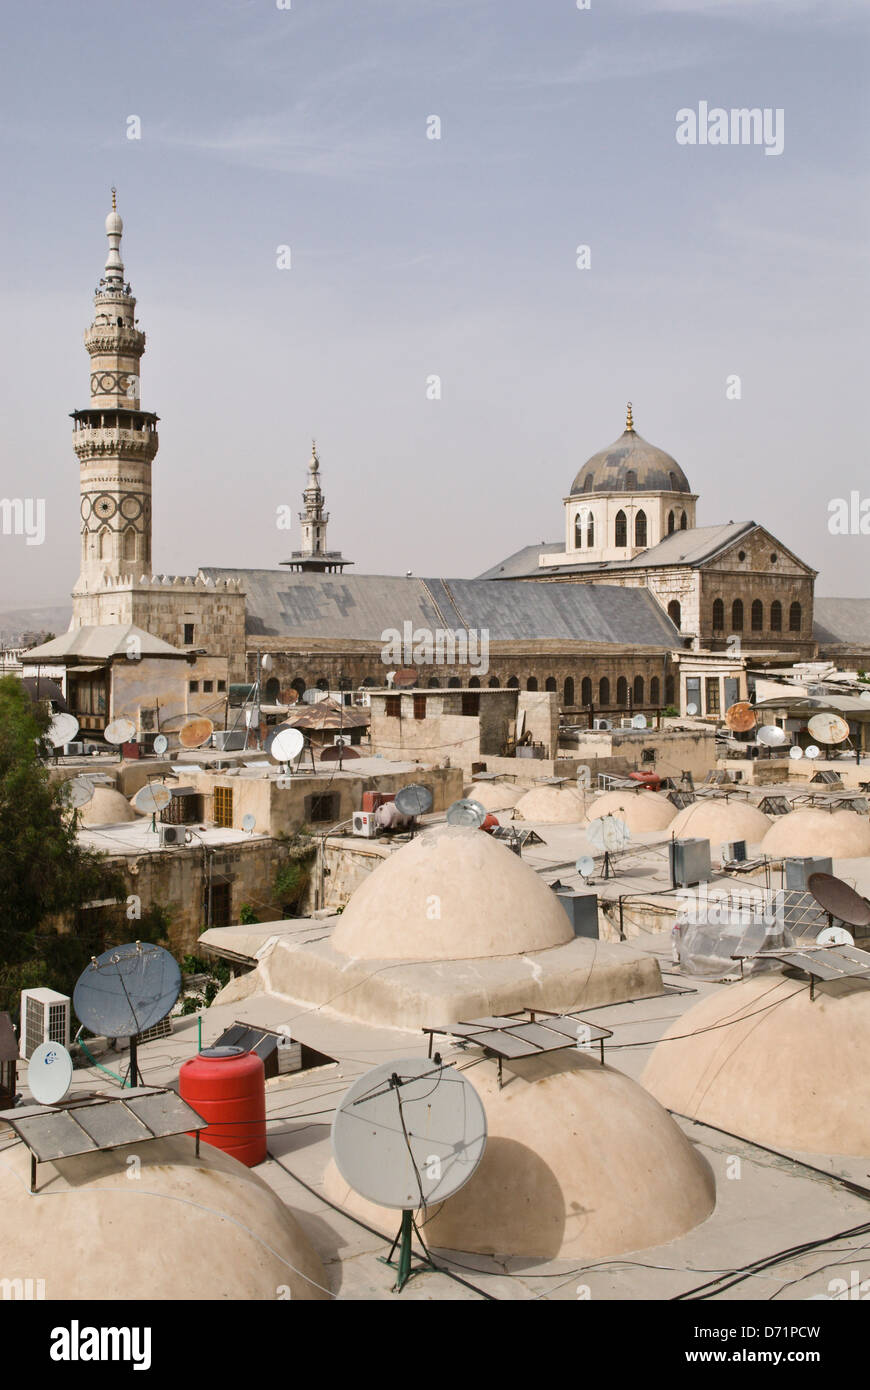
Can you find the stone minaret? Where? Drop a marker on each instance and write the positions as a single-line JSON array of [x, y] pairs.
[[114, 439], [314, 556]]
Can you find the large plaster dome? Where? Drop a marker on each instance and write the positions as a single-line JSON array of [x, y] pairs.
[[580, 1163], [765, 1061], [642, 811], [452, 893], [552, 806], [107, 807], [840, 834], [720, 822], [186, 1228], [630, 464], [494, 796]]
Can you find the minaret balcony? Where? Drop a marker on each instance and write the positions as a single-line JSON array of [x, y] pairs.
[[90, 441], [113, 338]]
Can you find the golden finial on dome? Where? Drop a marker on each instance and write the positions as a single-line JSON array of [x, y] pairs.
[[114, 199], [629, 422]]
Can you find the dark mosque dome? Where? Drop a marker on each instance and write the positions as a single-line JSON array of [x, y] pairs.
[[630, 464]]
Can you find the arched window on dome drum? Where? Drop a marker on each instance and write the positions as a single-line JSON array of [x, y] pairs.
[[590, 531], [513, 683], [718, 615], [684, 522], [621, 532], [673, 478], [654, 691], [494, 683], [586, 691], [622, 692], [640, 529], [675, 613], [757, 615], [604, 691], [631, 481], [637, 692], [130, 543], [550, 683], [474, 683], [776, 616], [588, 485], [568, 696], [532, 683], [669, 690], [578, 531], [794, 618], [433, 683], [671, 523], [737, 615]]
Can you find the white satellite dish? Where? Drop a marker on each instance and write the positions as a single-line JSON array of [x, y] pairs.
[[639, 721], [608, 833], [120, 731], [287, 745], [161, 743], [811, 751], [248, 822], [584, 775], [795, 752], [835, 936], [691, 709], [62, 729], [585, 865], [314, 695], [49, 1073], [151, 798], [772, 736], [466, 812], [79, 792], [828, 728]]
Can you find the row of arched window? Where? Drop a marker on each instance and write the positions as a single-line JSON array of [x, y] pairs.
[[600, 692], [584, 529], [756, 616], [128, 549]]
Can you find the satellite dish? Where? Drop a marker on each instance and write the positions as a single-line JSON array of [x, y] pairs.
[[120, 731], [608, 833], [795, 752], [811, 751], [835, 936], [741, 717], [313, 696], [161, 743], [62, 729], [466, 812], [79, 792], [585, 865], [49, 1073], [409, 1133], [405, 677], [414, 800], [287, 745], [772, 736], [691, 709], [195, 732], [248, 822], [639, 721], [828, 728], [841, 901], [151, 798], [126, 990]]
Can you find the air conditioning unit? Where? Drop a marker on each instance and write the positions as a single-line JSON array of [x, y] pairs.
[[364, 824], [626, 723], [172, 834], [733, 851], [689, 862], [797, 871], [229, 740], [602, 724], [74, 750], [341, 741], [44, 1018]]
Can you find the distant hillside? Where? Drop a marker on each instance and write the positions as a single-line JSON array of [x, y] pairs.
[[14, 621]]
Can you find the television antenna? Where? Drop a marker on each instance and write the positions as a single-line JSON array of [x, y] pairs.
[[248, 822], [585, 866], [772, 736], [811, 751], [741, 717], [691, 709], [62, 729], [610, 834], [287, 745], [125, 991], [839, 900], [120, 731], [49, 1073], [314, 695], [79, 792], [796, 752], [828, 728], [835, 936], [150, 799], [407, 1134], [161, 743], [466, 812], [405, 677], [414, 800], [639, 721], [195, 732]]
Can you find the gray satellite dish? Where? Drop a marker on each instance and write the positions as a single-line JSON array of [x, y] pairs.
[[126, 990], [772, 736], [835, 936], [811, 751], [608, 833], [120, 731], [795, 752], [313, 696], [62, 729], [161, 743], [287, 745], [466, 812], [639, 721], [49, 1073], [151, 798], [414, 800], [79, 792], [248, 822], [585, 865], [691, 709]]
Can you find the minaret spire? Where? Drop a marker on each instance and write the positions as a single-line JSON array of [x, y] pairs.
[[629, 422], [313, 555]]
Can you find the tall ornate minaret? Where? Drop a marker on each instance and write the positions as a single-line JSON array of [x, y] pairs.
[[114, 439], [314, 555]]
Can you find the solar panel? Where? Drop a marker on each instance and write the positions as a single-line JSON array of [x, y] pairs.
[[802, 914], [830, 963], [681, 799], [522, 837], [774, 805], [525, 1035], [828, 776]]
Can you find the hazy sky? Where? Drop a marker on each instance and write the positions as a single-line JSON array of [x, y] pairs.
[[307, 127]]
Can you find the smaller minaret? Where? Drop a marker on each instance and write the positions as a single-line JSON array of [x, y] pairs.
[[314, 556]]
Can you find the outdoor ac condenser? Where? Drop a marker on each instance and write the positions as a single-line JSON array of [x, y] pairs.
[[364, 824], [44, 1018], [690, 862]]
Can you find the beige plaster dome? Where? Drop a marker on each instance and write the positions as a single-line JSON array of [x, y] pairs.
[[642, 811], [494, 796], [580, 1163], [107, 807], [551, 806], [841, 834], [452, 893], [186, 1228], [774, 1066], [720, 821]]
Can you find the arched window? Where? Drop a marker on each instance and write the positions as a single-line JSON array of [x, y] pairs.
[[675, 613], [669, 690], [550, 683], [631, 481], [586, 691], [640, 529], [130, 543], [737, 615], [474, 683], [453, 682], [433, 683], [718, 615], [105, 544], [684, 521], [299, 685], [621, 536], [513, 683], [578, 531], [273, 691], [323, 683], [532, 683], [622, 692], [757, 615], [673, 478], [588, 485], [569, 690], [794, 618], [494, 683], [604, 691], [590, 531], [654, 691], [637, 692], [670, 523], [776, 616]]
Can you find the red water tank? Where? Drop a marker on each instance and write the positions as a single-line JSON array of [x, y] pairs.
[[647, 779], [490, 823], [227, 1087], [372, 800]]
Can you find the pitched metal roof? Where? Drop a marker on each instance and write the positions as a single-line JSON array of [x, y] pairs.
[[100, 644], [691, 547]]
